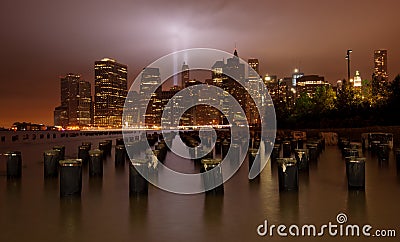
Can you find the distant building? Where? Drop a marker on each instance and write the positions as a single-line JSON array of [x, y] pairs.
[[76, 102], [357, 81], [226, 76], [278, 89], [296, 75], [255, 65], [61, 116], [131, 110], [150, 96], [110, 92], [339, 86], [17, 126], [185, 75], [380, 75], [309, 83]]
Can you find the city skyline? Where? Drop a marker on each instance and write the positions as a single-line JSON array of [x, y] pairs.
[[109, 72], [59, 38]]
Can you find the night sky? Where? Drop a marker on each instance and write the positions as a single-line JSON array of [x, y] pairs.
[[44, 39]]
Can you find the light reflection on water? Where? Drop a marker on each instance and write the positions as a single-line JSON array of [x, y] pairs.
[[31, 209]]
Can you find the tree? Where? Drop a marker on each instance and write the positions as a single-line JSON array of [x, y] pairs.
[[323, 100]]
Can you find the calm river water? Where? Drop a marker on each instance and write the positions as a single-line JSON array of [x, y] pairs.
[[31, 209]]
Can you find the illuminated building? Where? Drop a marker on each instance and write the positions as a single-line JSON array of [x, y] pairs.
[[226, 76], [76, 102], [253, 63], [309, 83], [339, 86], [217, 73], [380, 75], [274, 88], [151, 107], [296, 75], [110, 92], [131, 109], [185, 75], [254, 85], [357, 81]]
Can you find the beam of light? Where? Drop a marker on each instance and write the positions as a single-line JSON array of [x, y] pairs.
[[179, 34]]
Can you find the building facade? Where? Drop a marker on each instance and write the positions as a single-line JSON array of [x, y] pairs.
[[380, 75], [110, 92], [76, 102]]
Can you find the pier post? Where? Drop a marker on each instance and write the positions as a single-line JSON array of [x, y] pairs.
[[212, 178], [83, 153], [104, 146], [70, 177], [96, 163], [60, 148], [355, 169], [120, 155], [286, 149], [383, 152], [225, 148], [312, 152], [288, 174], [50, 167], [14, 164], [138, 185], [301, 156]]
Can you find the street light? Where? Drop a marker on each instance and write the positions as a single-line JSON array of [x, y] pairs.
[[348, 64]]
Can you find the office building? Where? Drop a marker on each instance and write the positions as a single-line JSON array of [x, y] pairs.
[[309, 83], [110, 92], [380, 75], [76, 102]]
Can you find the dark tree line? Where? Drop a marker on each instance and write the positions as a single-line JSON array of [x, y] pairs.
[[347, 107]]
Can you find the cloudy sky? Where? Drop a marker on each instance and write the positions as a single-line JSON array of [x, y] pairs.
[[44, 39]]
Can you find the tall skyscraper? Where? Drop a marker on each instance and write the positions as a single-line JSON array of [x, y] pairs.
[[185, 75], [227, 76], [110, 92], [380, 64], [380, 75], [151, 109], [150, 79], [76, 102], [253, 63]]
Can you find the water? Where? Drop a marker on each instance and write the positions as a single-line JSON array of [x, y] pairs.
[[31, 209]]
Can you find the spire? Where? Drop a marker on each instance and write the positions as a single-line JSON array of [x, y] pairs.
[[235, 52], [185, 66]]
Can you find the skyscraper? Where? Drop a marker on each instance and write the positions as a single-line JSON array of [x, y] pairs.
[[76, 102], [253, 63], [380, 75], [151, 103], [227, 76], [110, 92], [185, 75], [380, 64]]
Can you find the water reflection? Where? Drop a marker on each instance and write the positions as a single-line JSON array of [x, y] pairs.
[[70, 217], [213, 209], [304, 178], [14, 188], [51, 186], [95, 186], [383, 164], [289, 205], [138, 206], [357, 205]]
